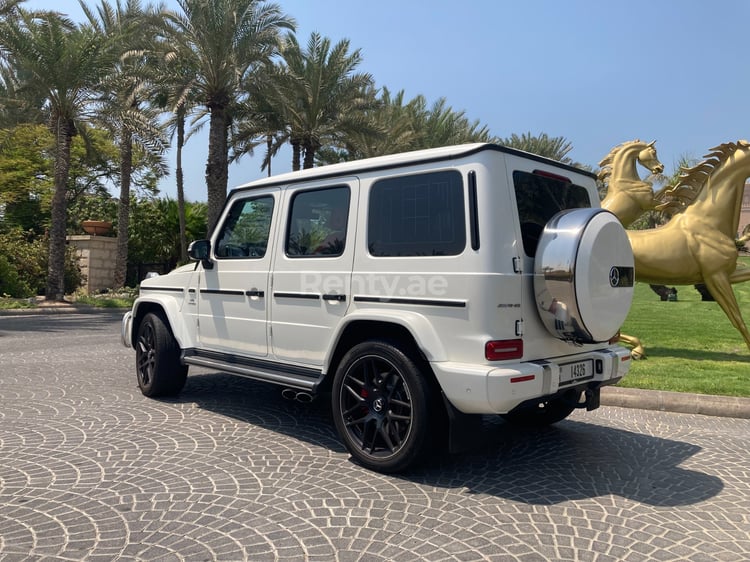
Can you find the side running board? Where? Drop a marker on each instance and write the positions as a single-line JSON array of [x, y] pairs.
[[290, 376]]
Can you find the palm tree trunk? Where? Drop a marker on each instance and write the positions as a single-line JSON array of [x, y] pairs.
[[217, 168], [180, 184], [296, 154], [309, 155], [269, 147], [55, 289], [123, 209]]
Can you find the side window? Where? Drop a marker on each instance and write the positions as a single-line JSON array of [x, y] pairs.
[[245, 231], [418, 215], [317, 223], [540, 196]]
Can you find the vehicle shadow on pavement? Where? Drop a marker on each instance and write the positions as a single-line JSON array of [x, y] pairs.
[[572, 460]]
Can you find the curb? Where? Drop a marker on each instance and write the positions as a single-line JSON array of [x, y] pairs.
[[63, 308], [680, 402]]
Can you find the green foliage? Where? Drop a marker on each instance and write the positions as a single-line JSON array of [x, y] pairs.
[[122, 298], [556, 148], [10, 282], [690, 345], [23, 264], [26, 163], [155, 229]]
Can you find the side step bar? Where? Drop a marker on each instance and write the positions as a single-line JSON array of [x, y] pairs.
[[290, 376]]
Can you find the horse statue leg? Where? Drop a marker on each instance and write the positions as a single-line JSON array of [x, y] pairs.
[[637, 351], [720, 287]]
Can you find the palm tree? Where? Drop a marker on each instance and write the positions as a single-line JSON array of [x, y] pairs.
[[441, 125], [318, 96], [556, 148], [229, 39], [176, 92], [123, 111], [56, 67]]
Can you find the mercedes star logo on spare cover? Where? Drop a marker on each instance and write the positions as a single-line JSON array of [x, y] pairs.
[[614, 276]]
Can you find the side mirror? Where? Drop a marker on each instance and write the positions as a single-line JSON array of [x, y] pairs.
[[200, 250]]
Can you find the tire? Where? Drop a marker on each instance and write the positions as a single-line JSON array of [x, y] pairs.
[[158, 366], [384, 407], [545, 413]]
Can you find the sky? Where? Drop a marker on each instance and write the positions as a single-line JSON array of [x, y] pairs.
[[597, 73]]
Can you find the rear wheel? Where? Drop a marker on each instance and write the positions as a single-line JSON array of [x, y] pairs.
[[546, 412], [384, 406], [158, 366]]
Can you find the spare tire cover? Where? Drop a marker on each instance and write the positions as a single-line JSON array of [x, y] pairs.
[[583, 275]]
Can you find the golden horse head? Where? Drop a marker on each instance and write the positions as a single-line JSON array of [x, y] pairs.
[[628, 196]]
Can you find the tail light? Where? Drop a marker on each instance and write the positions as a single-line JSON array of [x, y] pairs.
[[502, 350]]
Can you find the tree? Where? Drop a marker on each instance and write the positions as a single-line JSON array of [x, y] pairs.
[[127, 29], [555, 148], [229, 40], [25, 172], [321, 97], [395, 126], [154, 230], [176, 93], [55, 68]]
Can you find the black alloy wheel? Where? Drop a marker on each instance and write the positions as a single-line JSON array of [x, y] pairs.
[[158, 366], [382, 406]]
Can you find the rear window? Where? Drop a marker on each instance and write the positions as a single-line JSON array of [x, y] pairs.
[[541, 196], [417, 215]]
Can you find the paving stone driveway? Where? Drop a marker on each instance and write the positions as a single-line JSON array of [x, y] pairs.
[[90, 469]]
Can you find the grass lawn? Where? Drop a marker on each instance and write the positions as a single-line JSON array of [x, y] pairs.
[[690, 345]]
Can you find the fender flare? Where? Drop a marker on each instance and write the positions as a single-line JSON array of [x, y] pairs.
[[171, 309], [416, 324]]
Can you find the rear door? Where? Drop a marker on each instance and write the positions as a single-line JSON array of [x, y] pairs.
[[312, 270]]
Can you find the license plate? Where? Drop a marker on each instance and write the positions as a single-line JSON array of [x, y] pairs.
[[572, 372]]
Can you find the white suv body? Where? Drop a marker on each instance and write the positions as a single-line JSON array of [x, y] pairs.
[[476, 273]]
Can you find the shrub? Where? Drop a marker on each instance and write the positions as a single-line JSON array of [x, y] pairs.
[[26, 255], [10, 284]]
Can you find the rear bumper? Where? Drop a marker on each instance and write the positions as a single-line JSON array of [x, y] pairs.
[[482, 389]]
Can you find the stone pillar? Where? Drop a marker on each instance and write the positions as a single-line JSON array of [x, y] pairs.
[[96, 257]]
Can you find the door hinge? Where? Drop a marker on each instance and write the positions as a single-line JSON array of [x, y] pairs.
[[519, 327], [517, 265]]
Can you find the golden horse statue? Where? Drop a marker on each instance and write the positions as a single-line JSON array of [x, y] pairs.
[[628, 196], [697, 245]]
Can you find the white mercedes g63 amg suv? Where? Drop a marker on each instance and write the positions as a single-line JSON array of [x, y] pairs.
[[413, 288]]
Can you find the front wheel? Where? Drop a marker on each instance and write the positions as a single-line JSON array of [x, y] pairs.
[[384, 406], [158, 366]]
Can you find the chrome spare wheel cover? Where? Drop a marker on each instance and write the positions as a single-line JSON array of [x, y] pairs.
[[584, 275]]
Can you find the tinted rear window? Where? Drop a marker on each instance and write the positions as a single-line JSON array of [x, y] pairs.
[[539, 198], [417, 215]]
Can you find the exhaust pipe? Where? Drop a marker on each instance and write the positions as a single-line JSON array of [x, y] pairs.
[[298, 395]]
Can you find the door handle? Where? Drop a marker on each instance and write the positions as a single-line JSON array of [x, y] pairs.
[[255, 293], [336, 298]]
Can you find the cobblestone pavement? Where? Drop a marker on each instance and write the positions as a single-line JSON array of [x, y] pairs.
[[90, 469]]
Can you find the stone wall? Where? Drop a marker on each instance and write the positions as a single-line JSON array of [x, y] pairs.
[[96, 255]]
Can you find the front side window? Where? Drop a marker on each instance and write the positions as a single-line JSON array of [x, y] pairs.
[[317, 223], [245, 231], [417, 215], [539, 197]]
